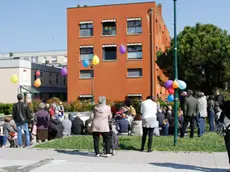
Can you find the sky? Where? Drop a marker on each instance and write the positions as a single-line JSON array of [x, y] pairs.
[[40, 25]]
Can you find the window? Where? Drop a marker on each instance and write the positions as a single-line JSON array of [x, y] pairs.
[[86, 29], [109, 52], [109, 27], [50, 78], [86, 52], [44, 59], [57, 76], [34, 59], [64, 81], [35, 76], [132, 73], [86, 74], [54, 59], [134, 26], [134, 51], [41, 76], [65, 59]]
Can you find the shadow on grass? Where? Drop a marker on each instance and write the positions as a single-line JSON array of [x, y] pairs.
[[188, 167], [127, 147], [75, 152]]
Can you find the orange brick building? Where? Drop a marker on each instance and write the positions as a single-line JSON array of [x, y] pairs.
[[100, 30]]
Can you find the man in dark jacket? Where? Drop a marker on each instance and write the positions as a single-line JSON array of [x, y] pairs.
[[77, 126], [190, 112], [22, 117]]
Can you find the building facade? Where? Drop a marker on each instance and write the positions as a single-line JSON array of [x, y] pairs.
[[100, 30], [43, 57], [53, 84]]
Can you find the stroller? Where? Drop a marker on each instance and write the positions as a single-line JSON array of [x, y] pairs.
[[114, 141]]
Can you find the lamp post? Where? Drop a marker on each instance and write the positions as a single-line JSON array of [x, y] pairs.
[[176, 94]]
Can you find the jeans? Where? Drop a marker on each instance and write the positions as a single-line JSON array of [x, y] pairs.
[[211, 118], [200, 125], [5, 139], [149, 132], [165, 129], [25, 128]]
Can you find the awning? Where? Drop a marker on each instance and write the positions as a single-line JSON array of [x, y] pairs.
[[134, 95], [86, 46], [30, 89], [133, 19], [85, 22], [52, 89], [133, 44], [86, 96], [112, 20], [109, 45]]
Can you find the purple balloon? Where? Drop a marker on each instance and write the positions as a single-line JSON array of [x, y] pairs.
[[64, 71], [122, 49], [168, 84]]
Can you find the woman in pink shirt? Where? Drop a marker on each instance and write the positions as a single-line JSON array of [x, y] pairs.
[[100, 125]]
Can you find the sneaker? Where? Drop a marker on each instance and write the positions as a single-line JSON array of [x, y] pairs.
[[98, 155], [108, 155]]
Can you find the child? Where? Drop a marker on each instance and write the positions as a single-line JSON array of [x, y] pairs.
[[114, 140], [10, 133]]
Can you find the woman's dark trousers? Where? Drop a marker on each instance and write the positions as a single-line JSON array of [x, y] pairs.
[[106, 139]]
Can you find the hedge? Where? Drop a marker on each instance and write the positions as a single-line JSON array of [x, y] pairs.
[[75, 106]]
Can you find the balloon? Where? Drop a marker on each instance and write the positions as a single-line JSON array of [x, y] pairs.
[[175, 84], [168, 84], [182, 84], [171, 91], [170, 97], [64, 71], [85, 63], [37, 82], [38, 73], [122, 49], [14, 78], [95, 60]]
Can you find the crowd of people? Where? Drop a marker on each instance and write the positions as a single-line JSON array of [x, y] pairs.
[[50, 122]]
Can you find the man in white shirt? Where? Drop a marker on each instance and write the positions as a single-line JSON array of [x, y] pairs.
[[149, 121]]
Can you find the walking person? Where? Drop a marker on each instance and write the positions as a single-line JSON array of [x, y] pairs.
[[190, 112], [211, 112], [202, 113], [149, 118], [22, 117], [100, 126]]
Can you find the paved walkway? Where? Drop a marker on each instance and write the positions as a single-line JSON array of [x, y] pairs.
[[25, 160]]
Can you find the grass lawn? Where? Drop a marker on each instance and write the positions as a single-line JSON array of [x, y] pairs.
[[210, 142]]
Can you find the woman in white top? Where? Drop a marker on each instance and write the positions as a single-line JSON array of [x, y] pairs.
[[149, 121]]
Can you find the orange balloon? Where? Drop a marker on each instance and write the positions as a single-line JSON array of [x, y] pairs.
[[37, 82], [175, 84]]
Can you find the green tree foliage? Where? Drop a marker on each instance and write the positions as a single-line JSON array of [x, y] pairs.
[[203, 57]]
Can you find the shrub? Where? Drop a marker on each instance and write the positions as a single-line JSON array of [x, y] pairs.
[[35, 105], [54, 100], [6, 108]]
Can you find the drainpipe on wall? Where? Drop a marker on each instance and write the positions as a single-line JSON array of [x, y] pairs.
[[152, 61]]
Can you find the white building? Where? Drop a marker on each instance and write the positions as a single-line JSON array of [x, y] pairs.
[[53, 84], [48, 57]]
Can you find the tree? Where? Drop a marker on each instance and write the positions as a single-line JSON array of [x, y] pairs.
[[203, 57]]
